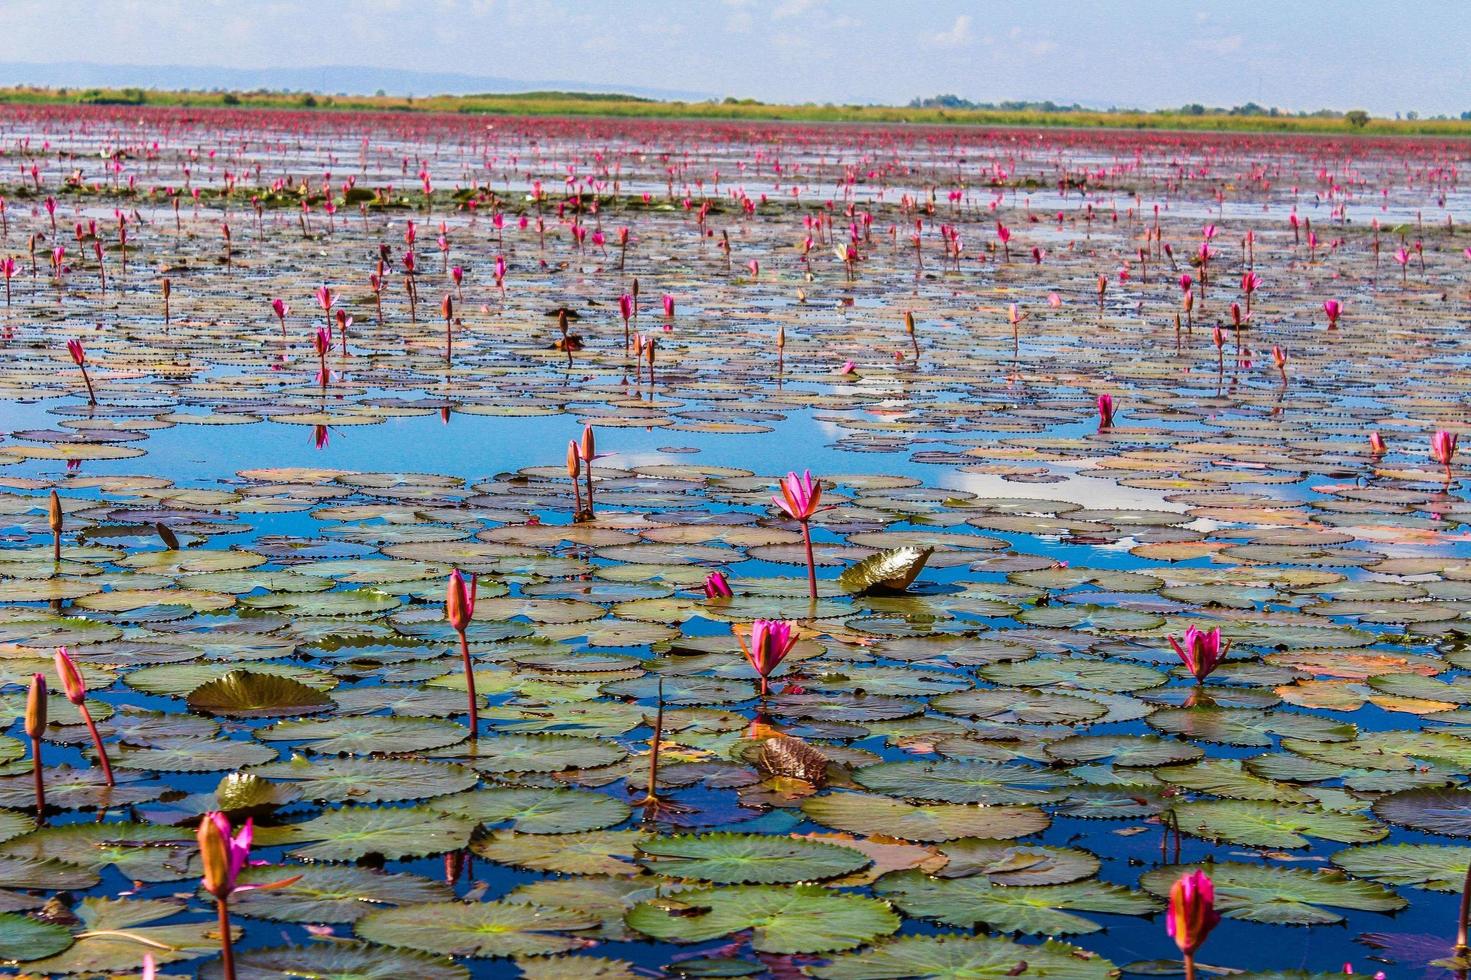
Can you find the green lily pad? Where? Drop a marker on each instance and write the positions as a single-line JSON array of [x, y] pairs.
[[1259, 824], [747, 858], [536, 811], [1285, 896], [370, 780], [954, 781], [1437, 811], [864, 813], [355, 832], [333, 893], [598, 852], [791, 919], [1010, 863], [478, 929], [362, 736], [966, 958], [23, 938], [338, 960], [1031, 909]]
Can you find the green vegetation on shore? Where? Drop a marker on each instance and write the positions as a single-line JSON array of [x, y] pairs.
[[944, 110]]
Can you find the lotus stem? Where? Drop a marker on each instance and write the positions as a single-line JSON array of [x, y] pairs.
[[227, 952], [470, 685], [97, 741], [1462, 949], [811, 565], [39, 778]]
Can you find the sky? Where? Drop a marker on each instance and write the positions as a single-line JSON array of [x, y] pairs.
[[1387, 57]]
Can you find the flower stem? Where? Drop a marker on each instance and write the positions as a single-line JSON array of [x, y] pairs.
[[40, 781], [97, 741], [227, 952], [1465, 912], [1189, 966], [811, 565], [470, 685]]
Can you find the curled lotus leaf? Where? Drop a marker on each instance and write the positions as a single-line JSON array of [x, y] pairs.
[[888, 571], [248, 694]]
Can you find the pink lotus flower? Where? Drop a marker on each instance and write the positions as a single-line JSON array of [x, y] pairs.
[[716, 586], [848, 367], [326, 299], [1250, 282], [459, 610], [1334, 309], [771, 641], [75, 687], [1201, 652], [78, 355], [1105, 411], [1186, 282], [625, 306], [1443, 447], [1377, 445], [800, 499], [223, 857], [668, 304], [1192, 915]]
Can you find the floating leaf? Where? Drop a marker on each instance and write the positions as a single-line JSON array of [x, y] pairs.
[[247, 694], [792, 919], [747, 858], [888, 571]]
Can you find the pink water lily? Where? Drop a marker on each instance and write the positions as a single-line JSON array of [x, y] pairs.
[[1201, 652], [1192, 915], [79, 358], [716, 586], [223, 857], [1105, 412], [771, 640], [75, 688], [1376, 444], [459, 610], [800, 497], [1334, 309], [1443, 447]]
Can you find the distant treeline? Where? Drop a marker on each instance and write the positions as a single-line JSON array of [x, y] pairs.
[[947, 110]]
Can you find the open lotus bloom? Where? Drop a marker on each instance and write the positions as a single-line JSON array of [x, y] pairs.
[[800, 495], [1200, 651]]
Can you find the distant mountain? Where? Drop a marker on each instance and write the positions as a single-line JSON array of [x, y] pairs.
[[330, 80]]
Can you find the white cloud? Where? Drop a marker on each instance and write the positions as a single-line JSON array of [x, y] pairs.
[[794, 8], [1229, 44], [957, 36]]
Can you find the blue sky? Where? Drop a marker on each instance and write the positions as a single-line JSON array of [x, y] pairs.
[[1299, 54]]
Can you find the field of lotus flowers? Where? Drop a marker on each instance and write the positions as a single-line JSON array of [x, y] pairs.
[[442, 546]]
